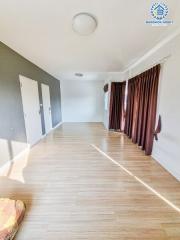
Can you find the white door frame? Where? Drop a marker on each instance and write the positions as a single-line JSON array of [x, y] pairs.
[[46, 107]]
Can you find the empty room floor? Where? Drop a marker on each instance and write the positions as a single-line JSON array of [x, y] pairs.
[[83, 182]]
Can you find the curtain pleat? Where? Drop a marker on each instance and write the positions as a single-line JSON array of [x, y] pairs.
[[130, 108], [117, 111], [141, 108]]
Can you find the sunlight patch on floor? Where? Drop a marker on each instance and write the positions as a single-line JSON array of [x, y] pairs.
[[14, 169], [137, 179]]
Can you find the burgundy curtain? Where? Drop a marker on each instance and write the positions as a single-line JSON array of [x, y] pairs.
[[141, 108], [117, 111], [130, 106]]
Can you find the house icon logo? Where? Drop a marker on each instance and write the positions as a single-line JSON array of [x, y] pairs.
[[159, 11], [159, 15]]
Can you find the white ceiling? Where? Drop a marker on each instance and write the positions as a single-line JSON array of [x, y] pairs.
[[41, 31]]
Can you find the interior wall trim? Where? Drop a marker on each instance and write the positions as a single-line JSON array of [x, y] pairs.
[[58, 125], [153, 50]]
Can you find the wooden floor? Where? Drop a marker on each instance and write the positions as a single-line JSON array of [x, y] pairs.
[[82, 182]]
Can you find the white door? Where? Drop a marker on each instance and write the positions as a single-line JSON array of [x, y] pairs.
[[31, 107], [46, 107]]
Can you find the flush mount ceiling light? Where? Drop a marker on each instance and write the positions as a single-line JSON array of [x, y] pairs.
[[84, 23]]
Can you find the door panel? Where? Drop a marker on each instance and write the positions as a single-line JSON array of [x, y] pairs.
[[31, 107], [46, 107]]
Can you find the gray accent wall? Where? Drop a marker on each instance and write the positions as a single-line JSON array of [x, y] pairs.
[[12, 126]]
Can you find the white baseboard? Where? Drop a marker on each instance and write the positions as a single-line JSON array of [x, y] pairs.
[[58, 125], [18, 156], [167, 166], [43, 136]]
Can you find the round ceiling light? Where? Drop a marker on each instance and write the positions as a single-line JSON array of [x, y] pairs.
[[84, 23]]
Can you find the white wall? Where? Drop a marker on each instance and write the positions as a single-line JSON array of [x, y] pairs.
[[82, 101], [167, 150], [106, 111], [112, 77]]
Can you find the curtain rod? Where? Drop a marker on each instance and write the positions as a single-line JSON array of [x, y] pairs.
[[161, 61]]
